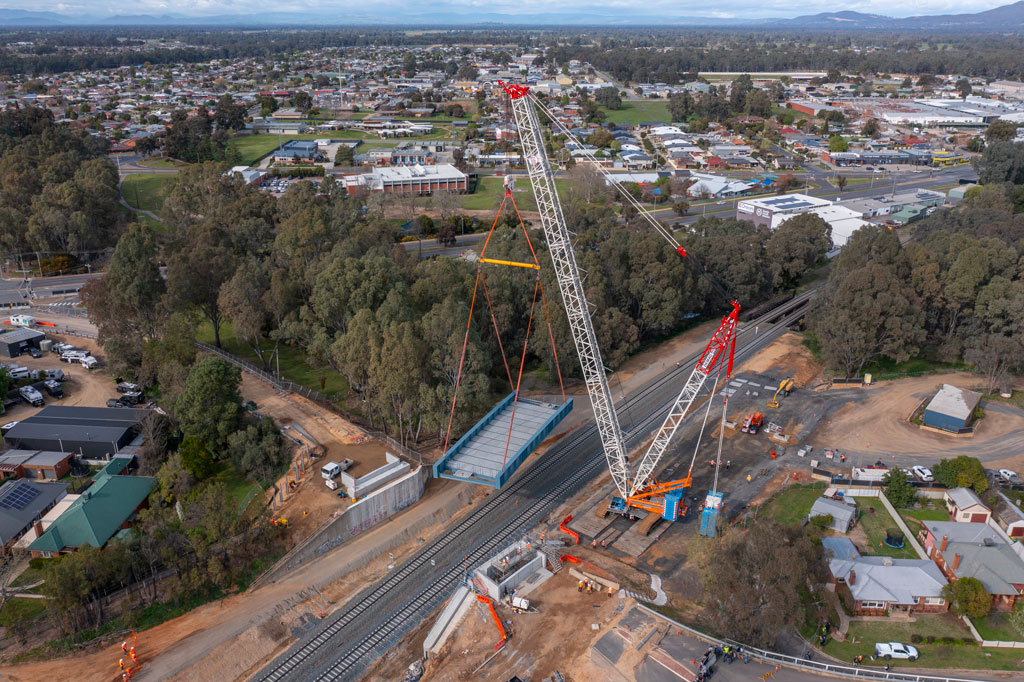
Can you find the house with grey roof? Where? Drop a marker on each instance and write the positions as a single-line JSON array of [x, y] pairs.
[[965, 506], [938, 534], [877, 585], [994, 563], [843, 513]]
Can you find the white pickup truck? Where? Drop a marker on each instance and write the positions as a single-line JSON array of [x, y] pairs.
[[891, 650]]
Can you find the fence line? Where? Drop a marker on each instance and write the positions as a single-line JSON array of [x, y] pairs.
[[315, 396], [837, 669]]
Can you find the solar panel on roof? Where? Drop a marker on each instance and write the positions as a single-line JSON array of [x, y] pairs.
[[18, 497]]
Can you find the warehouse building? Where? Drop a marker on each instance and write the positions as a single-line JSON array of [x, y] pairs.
[[405, 179], [773, 211], [952, 409], [16, 342], [95, 433]]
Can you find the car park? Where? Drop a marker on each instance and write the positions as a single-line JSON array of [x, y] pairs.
[[923, 473], [890, 650]]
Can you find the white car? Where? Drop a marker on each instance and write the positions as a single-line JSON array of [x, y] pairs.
[[891, 650], [923, 473], [1008, 475]]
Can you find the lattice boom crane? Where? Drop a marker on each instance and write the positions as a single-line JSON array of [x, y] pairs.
[[640, 490]]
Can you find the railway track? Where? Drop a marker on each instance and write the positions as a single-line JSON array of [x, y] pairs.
[[370, 623]]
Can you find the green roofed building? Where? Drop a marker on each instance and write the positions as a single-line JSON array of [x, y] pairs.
[[106, 507]]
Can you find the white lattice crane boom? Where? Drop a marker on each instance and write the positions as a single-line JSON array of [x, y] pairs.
[[639, 489], [567, 273]]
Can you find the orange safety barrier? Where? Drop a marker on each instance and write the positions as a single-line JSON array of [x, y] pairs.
[[569, 531], [570, 558], [497, 621], [45, 324]]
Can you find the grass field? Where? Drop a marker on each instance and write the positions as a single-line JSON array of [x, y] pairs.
[[293, 362], [21, 609], [490, 188], [862, 636], [634, 112], [874, 520], [790, 507], [237, 485], [147, 191], [252, 148]]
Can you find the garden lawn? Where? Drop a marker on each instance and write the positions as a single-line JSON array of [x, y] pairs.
[[931, 510], [252, 148], [862, 636], [147, 191], [639, 111], [996, 627], [793, 504], [874, 526], [294, 366]]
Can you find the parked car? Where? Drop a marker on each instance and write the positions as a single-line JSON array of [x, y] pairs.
[[35, 352], [115, 402], [1009, 476], [891, 650], [923, 473]]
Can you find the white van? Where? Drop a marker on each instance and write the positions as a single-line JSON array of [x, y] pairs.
[[330, 470], [88, 362], [18, 372]]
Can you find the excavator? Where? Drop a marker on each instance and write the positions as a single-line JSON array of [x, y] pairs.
[[785, 386]]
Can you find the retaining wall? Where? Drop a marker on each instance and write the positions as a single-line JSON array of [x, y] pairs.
[[366, 513]]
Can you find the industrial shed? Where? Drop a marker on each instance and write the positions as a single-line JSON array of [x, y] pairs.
[[91, 432], [952, 408], [14, 343]]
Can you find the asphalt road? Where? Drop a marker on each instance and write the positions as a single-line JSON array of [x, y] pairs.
[[350, 639]]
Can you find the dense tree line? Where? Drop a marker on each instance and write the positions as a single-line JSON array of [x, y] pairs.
[[955, 291], [58, 192], [317, 271], [631, 54]]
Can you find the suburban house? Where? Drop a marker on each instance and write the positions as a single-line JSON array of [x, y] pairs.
[[975, 550], [951, 409], [937, 534], [1009, 516], [22, 504], [964, 505], [106, 507], [42, 464], [843, 513], [878, 585]]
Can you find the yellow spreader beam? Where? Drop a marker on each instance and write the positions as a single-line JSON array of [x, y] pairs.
[[531, 266]]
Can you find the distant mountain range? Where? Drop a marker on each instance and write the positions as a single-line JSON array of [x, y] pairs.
[[1007, 18]]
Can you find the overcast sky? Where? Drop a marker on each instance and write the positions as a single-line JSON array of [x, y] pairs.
[[670, 9]]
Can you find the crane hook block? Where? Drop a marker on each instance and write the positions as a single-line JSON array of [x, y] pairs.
[[681, 251]]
